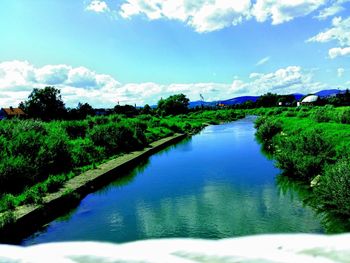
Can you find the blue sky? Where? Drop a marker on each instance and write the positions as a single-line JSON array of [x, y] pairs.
[[137, 51]]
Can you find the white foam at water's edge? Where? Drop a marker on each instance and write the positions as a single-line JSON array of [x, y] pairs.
[[263, 248]]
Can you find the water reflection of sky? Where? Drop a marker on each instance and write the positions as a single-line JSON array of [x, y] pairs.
[[216, 184]]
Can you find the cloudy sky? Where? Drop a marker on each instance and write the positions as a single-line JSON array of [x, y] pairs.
[[137, 51]]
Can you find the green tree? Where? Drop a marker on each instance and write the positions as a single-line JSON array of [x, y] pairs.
[[146, 109], [85, 110], [127, 110], [173, 105], [45, 104], [267, 100]]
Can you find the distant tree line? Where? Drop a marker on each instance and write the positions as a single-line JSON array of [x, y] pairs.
[[273, 100], [47, 104]]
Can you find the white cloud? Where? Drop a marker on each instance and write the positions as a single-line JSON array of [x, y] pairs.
[[287, 80], [262, 61], [202, 15], [212, 15], [335, 8], [340, 72], [52, 74], [340, 33], [80, 84], [16, 74], [18, 78], [329, 11], [284, 11], [98, 6], [81, 77], [339, 52]]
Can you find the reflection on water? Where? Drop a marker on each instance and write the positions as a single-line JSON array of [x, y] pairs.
[[221, 210], [330, 222], [216, 184]]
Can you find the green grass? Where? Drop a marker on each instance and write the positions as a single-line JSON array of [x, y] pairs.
[[37, 157], [313, 142]]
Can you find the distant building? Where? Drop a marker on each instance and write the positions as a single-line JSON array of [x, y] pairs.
[[309, 100], [8, 113]]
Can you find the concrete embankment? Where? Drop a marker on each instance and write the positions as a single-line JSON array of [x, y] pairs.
[[26, 219]]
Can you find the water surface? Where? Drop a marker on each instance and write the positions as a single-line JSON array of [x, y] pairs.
[[216, 184]]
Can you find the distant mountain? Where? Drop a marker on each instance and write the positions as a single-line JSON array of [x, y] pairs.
[[199, 103], [298, 96], [239, 100], [328, 92], [242, 99]]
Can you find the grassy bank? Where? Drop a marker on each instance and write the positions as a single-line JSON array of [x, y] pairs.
[[37, 157], [312, 146]]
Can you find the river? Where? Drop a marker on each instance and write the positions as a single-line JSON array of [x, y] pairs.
[[215, 184]]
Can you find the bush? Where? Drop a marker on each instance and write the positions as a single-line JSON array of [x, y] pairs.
[[54, 156], [259, 121], [8, 202], [53, 183], [290, 114], [268, 128], [84, 152], [75, 129], [33, 196], [304, 155], [115, 138], [15, 173], [333, 190], [323, 114], [345, 117]]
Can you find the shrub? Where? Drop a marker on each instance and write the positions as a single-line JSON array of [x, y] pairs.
[[290, 114], [268, 128], [33, 196], [8, 202], [55, 154], [304, 155], [15, 173], [259, 121], [115, 138], [345, 117], [323, 114], [75, 129], [84, 152], [333, 190], [54, 182]]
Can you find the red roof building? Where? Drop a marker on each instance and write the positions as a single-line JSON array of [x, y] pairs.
[[8, 113]]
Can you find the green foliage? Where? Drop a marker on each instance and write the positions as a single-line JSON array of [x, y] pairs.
[[304, 154], [323, 114], [126, 110], [114, 138], [267, 128], [75, 129], [8, 202], [345, 116], [45, 104], [267, 100], [146, 109], [85, 152], [333, 190], [173, 105], [37, 157], [7, 218]]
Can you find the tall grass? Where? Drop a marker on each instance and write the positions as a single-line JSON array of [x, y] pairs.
[[316, 143], [38, 157]]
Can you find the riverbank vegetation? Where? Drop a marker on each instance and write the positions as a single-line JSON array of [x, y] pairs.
[[38, 156], [312, 146]]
